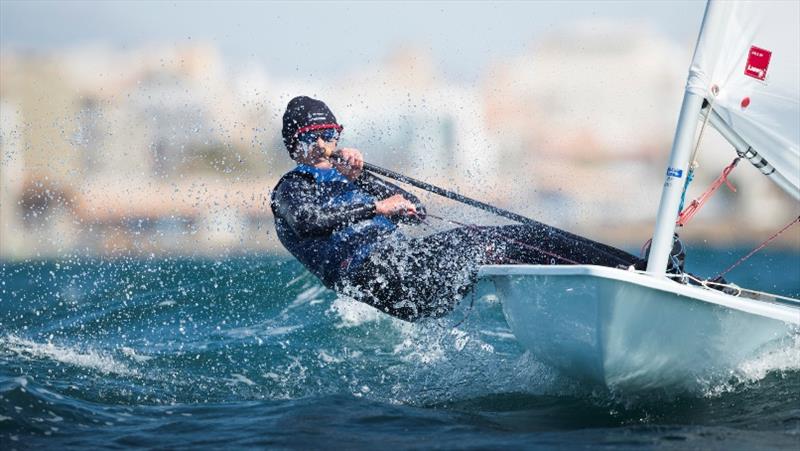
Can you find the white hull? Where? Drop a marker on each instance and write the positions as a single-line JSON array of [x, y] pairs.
[[628, 330]]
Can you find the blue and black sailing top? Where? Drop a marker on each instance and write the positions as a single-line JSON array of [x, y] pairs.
[[328, 222]]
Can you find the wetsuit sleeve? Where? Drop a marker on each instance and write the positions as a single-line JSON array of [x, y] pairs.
[[297, 201], [381, 189]]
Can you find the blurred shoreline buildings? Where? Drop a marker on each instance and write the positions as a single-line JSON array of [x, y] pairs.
[[164, 151]]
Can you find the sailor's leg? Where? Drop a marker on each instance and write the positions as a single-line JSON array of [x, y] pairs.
[[420, 278], [548, 245], [677, 256]]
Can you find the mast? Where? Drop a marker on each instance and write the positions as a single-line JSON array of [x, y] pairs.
[[673, 185], [748, 53], [678, 166]]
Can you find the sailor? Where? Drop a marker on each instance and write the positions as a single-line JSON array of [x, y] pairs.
[[341, 223]]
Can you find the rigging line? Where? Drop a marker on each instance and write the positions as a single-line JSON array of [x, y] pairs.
[[759, 247], [707, 284], [694, 206], [551, 254], [703, 283], [689, 179], [694, 164], [714, 91]]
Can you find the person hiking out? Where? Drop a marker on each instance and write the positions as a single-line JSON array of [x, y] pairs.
[[341, 223]]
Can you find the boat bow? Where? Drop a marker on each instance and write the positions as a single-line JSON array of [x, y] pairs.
[[623, 329]]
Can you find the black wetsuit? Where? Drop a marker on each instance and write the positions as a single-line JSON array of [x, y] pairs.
[[328, 222], [330, 225]]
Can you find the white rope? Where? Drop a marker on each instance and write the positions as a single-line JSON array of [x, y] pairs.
[[714, 91], [707, 284], [693, 165]]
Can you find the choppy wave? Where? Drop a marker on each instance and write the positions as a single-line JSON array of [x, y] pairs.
[[785, 359], [117, 349], [782, 362]]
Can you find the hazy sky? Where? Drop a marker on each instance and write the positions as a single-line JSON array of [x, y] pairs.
[[318, 37]]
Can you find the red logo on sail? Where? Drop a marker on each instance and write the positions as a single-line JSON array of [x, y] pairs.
[[757, 63]]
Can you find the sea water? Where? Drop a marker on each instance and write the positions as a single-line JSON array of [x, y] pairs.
[[252, 352]]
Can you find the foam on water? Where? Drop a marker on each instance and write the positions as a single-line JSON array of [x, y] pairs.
[[237, 378], [352, 313], [83, 358], [311, 294], [781, 360], [265, 329], [784, 359], [131, 353]]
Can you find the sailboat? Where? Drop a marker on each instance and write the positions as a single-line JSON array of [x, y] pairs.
[[637, 330]]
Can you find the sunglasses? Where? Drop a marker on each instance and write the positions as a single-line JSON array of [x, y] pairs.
[[327, 135]]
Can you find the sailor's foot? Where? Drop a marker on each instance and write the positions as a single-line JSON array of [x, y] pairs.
[[719, 283], [677, 256], [640, 265]]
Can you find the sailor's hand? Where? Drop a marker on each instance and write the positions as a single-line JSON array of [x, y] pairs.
[[395, 205], [349, 162]]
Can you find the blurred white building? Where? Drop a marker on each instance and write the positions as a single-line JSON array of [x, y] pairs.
[[404, 115], [12, 179], [164, 150], [591, 90], [401, 114], [589, 115]]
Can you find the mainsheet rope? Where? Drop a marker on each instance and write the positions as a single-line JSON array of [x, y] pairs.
[[694, 206]]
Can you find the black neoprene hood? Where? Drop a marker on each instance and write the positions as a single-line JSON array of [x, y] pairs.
[[305, 113]]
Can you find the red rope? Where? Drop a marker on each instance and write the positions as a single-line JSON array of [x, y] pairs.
[[696, 204], [759, 247]]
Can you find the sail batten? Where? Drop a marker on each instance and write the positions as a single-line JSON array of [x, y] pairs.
[[747, 63]]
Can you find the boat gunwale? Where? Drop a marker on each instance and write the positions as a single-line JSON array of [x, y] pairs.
[[778, 311]]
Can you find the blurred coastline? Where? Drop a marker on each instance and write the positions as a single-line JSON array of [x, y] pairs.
[[164, 150]]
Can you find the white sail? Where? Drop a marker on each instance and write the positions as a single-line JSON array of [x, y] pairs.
[[750, 52]]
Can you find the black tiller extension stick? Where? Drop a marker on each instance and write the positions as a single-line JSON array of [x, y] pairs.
[[450, 194], [471, 202]]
